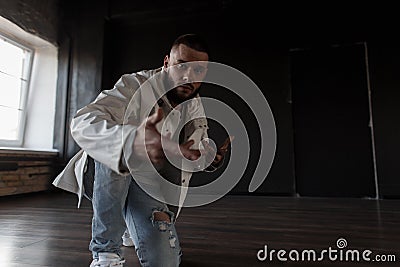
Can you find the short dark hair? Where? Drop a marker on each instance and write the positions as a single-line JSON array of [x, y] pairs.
[[193, 41]]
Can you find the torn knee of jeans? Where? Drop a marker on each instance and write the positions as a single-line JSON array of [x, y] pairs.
[[162, 218], [172, 239]]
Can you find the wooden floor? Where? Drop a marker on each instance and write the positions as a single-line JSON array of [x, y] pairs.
[[46, 229]]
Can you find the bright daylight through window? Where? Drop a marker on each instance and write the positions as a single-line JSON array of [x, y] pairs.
[[28, 83], [15, 69]]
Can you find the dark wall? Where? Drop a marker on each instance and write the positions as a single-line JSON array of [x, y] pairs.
[[100, 40], [332, 133], [257, 41], [384, 58], [81, 38], [39, 17]]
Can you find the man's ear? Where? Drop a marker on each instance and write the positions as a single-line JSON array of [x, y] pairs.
[[166, 61]]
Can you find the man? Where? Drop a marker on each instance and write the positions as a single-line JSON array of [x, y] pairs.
[[129, 134]]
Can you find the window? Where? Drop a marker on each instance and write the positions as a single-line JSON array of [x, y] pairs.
[[15, 70], [28, 83]]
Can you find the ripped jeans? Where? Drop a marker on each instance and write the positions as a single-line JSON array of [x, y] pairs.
[[118, 202]]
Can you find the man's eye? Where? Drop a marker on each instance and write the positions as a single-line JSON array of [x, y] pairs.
[[199, 71], [180, 66]]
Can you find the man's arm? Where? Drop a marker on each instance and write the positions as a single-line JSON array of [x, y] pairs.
[[219, 154], [111, 129], [102, 128]]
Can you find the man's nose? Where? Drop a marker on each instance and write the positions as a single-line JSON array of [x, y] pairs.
[[188, 75]]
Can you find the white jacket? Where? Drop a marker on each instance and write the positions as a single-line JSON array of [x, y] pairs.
[[105, 131]]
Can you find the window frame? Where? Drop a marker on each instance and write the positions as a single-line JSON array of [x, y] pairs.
[[27, 76]]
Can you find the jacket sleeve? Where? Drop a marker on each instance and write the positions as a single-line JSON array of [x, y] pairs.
[[106, 128]]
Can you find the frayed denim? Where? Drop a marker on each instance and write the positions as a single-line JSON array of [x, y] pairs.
[[119, 202]]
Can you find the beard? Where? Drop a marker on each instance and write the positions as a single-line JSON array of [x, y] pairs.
[[178, 95]]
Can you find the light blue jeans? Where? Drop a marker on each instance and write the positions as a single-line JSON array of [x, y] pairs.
[[118, 202]]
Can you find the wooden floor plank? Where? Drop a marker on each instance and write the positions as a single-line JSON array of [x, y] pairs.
[[47, 229]]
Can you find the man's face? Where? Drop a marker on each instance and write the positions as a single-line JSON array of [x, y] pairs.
[[186, 69]]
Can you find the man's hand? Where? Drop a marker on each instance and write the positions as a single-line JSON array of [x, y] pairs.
[[189, 153], [148, 142], [221, 151], [148, 139]]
